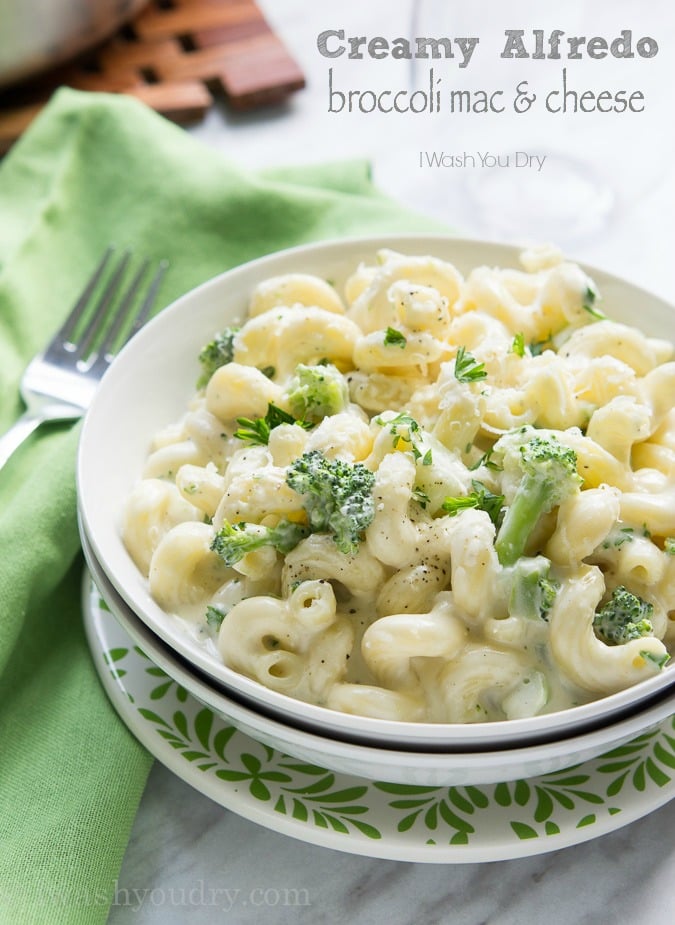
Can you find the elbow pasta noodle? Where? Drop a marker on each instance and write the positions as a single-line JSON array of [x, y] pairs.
[[473, 565], [288, 336], [583, 522], [371, 353], [374, 391], [479, 681], [618, 426], [240, 391], [370, 700], [413, 588], [208, 434], [298, 646], [203, 486], [593, 665], [654, 512], [664, 435], [253, 496], [152, 509], [658, 392], [393, 537], [343, 436], [294, 289], [416, 617], [630, 346], [376, 305], [183, 569], [597, 383], [390, 643], [550, 393], [659, 451], [165, 462], [317, 556]]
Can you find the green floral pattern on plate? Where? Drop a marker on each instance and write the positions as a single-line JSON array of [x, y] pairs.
[[404, 821]]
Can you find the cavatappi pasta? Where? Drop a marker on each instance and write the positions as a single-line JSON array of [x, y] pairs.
[[426, 498]]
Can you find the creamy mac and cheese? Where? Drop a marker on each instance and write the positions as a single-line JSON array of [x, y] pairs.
[[426, 498]]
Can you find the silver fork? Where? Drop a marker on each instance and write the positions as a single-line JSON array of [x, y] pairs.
[[59, 383]]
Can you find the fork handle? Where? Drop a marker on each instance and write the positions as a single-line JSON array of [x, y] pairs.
[[29, 421], [19, 431]]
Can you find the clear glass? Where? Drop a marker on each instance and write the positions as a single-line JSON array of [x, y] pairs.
[[596, 165]]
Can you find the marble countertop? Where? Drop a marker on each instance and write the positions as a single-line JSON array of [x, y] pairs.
[[182, 840]]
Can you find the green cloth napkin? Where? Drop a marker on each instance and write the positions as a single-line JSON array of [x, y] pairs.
[[95, 169]]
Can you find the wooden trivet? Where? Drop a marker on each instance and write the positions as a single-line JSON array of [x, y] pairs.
[[173, 57]]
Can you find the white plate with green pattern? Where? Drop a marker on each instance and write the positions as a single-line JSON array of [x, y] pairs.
[[402, 822]]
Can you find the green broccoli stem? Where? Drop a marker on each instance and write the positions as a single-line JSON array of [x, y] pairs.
[[529, 503], [533, 592]]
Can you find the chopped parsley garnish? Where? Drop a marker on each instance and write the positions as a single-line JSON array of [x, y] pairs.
[[257, 430], [669, 545], [394, 338], [407, 435], [401, 420], [590, 298], [537, 347], [405, 430], [487, 461], [467, 367], [518, 345], [214, 617], [481, 498], [419, 495], [659, 660], [618, 538]]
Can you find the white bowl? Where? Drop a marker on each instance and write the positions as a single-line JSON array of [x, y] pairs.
[[147, 388], [433, 768]]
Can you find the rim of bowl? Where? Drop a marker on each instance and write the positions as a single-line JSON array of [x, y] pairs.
[[595, 741], [659, 705], [105, 542]]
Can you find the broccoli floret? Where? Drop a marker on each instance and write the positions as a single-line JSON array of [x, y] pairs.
[[234, 541], [533, 592], [548, 471], [215, 354], [624, 617], [337, 496], [316, 392]]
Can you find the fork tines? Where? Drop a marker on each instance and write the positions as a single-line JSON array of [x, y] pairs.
[[110, 310]]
